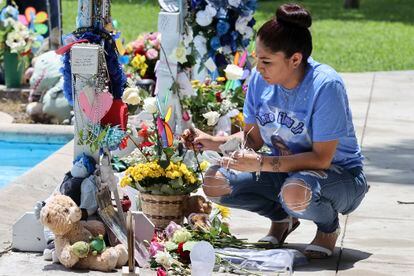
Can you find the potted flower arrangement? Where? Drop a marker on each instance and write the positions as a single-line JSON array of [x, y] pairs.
[[143, 54], [213, 105], [16, 42], [161, 170]]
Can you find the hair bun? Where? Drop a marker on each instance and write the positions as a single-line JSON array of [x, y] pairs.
[[293, 14]]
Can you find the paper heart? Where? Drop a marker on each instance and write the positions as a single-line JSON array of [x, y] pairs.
[[96, 109]]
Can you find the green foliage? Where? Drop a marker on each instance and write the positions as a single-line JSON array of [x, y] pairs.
[[378, 36]]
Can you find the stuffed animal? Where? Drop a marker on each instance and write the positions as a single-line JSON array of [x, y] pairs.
[[197, 204], [47, 102], [79, 184], [62, 216]]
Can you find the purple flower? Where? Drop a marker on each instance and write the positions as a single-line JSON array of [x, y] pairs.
[[171, 228], [222, 27], [155, 247]]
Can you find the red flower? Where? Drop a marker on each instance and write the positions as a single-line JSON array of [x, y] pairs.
[[143, 132], [146, 144], [184, 255], [124, 143], [218, 97], [161, 272], [125, 203]]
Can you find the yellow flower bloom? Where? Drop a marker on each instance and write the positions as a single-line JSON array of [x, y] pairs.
[[138, 61], [204, 165], [221, 79], [224, 211]]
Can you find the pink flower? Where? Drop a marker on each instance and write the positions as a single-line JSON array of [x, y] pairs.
[[161, 272], [151, 54], [155, 247], [171, 228], [155, 43], [138, 45], [153, 36]]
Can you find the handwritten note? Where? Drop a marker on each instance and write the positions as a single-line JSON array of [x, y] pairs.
[[85, 59]]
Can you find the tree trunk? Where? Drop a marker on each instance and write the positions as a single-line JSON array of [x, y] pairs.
[[351, 4]]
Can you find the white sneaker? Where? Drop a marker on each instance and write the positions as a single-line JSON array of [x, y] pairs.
[[47, 253]]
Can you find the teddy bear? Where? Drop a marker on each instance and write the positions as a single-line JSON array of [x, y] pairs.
[[197, 204], [62, 216]]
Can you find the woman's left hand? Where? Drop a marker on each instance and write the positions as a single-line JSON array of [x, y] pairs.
[[242, 160]]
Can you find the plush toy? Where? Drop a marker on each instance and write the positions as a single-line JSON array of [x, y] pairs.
[[79, 184], [62, 216], [197, 204], [47, 101]]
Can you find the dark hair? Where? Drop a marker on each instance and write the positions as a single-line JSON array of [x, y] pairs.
[[288, 31]]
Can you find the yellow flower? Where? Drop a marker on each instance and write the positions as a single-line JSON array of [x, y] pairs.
[[138, 61], [126, 181], [224, 211], [204, 165], [221, 79], [143, 70]]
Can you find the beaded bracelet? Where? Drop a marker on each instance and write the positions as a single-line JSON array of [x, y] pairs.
[[260, 159]]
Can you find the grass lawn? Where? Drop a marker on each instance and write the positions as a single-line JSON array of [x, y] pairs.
[[379, 36]]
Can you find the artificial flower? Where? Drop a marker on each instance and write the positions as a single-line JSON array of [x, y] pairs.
[[164, 258], [224, 211], [204, 165], [15, 41], [222, 27], [211, 10], [234, 3], [171, 228], [184, 254], [181, 235], [151, 54], [138, 61], [131, 96], [212, 117], [203, 18], [155, 247], [233, 72], [150, 105], [179, 54], [200, 44], [9, 22], [161, 272]]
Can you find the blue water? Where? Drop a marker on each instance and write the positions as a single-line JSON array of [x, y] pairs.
[[17, 157]]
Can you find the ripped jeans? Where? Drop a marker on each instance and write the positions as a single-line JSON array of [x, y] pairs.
[[328, 192]]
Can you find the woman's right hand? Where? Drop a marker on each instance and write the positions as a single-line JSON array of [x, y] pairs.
[[196, 139]]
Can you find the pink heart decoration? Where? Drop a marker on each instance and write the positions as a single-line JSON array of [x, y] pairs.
[[96, 110]]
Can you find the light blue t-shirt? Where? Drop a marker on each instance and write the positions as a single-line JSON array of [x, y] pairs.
[[317, 110]]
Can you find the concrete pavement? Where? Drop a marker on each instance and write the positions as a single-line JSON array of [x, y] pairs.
[[376, 239]]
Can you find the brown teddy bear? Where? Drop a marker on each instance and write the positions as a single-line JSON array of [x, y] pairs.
[[62, 216], [197, 204]]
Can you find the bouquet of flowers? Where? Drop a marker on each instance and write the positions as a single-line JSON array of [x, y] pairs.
[[219, 27], [214, 104], [15, 37], [170, 249], [143, 54], [159, 165]]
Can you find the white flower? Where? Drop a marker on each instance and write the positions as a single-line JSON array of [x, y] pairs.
[[211, 11], [234, 3], [179, 54], [188, 36], [164, 258], [181, 235], [131, 96], [150, 105], [233, 72], [226, 106], [9, 21], [203, 18], [15, 41], [212, 117], [248, 33], [200, 43], [241, 24]]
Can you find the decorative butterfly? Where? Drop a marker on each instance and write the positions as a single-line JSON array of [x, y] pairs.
[[34, 20], [164, 129]]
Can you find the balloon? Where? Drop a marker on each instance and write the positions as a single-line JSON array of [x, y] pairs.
[[40, 28], [23, 19], [41, 17]]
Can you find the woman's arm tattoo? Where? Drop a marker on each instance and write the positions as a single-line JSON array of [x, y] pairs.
[[275, 163]]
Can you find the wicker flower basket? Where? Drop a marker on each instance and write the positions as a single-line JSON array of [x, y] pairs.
[[161, 209]]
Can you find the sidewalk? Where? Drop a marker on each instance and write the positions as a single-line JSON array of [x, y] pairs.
[[376, 239]]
